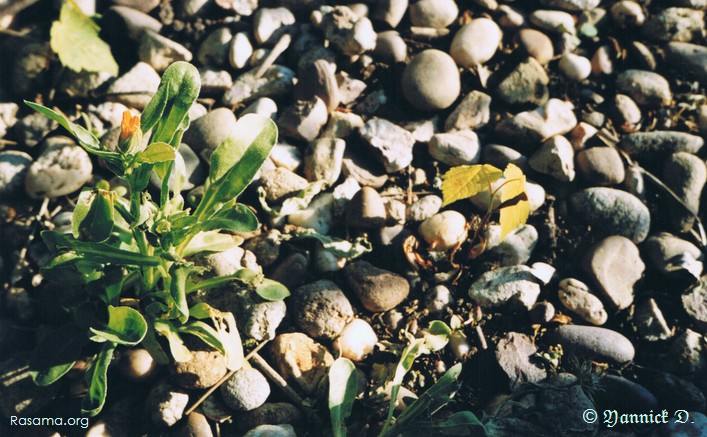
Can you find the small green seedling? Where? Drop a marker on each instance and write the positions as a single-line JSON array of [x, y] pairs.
[[129, 261]]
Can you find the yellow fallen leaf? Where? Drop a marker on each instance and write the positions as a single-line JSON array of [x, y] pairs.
[[466, 180], [515, 207]]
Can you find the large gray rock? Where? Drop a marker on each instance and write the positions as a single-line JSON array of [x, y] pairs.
[[615, 266], [392, 142], [61, 169], [613, 211], [206, 133], [601, 166], [455, 148], [555, 158], [576, 297], [431, 81], [299, 358], [525, 85], [474, 111], [514, 353], [664, 249], [645, 87], [528, 128], [378, 289], [160, 52], [321, 309], [496, 287], [433, 13], [13, 168], [675, 24], [246, 390], [476, 42], [165, 404], [323, 159], [591, 342], [689, 60]]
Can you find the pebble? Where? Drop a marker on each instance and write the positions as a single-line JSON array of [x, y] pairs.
[[390, 47], [433, 13], [525, 85], [686, 175], [646, 145], [618, 392], [438, 299], [516, 248], [366, 210], [674, 24], [513, 283], [694, 302], [536, 44], [291, 270], [304, 120], [14, 166], [515, 355], [663, 248], [276, 81], [196, 426], [615, 265], [473, 112], [263, 106], [476, 42], [323, 159], [130, 21], [203, 370], [644, 87], [240, 50], [553, 21], [272, 413], [342, 125], [555, 158], [357, 340], [555, 117], [320, 309], [349, 32], [240, 7], [364, 172], [378, 289], [601, 166], [688, 60], [572, 5], [390, 11], [318, 79], [455, 148], [687, 355], [444, 230], [60, 169], [500, 156], [627, 14], [272, 431], [299, 358], [423, 208], [259, 319], [575, 67], [135, 87], [270, 23], [8, 117], [650, 322], [627, 114], [245, 390], [542, 312], [206, 133], [614, 211], [592, 342], [509, 17], [32, 128], [137, 365], [166, 404], [161, 52], [281, 183], [431, 81], [576, 296], [392, 142], [214, 49]]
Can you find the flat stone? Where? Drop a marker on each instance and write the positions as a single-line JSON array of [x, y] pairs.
[[645, 87], [273, 413], [613, 211], [536, 44], [659, 144], [276, 81], [366, 210], [60, 170], [558, 22], [476, 42], [500, 156], [455, 148], [674, 24], [515, 353], [131, 21], [366, 173], [497, 287], [517, 247], [689, 60], [686, 175], [663, 249], [281, 183], [378, 289], [272, 431], [555, 117], [592, 342], [555, 158], [323, 159], [618, 392], [13, 169], [304, 120], [576, 296], [672, 391], [299, 358], [135, 87], [214, 49], [161, 52], [318, 79], [392, 142], [321, 309], [615, 265], [601, 166]]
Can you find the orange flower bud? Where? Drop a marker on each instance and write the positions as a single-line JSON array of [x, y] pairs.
[[129, 125]]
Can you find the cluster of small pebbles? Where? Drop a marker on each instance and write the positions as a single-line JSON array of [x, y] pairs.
[[601, 103]]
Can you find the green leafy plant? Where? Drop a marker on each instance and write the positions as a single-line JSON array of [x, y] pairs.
[[74, 38], [130, 260], [343, 383], [510, 198]]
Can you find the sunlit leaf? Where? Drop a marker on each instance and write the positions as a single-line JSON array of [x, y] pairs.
[[206, 333], [156, 152], [515, 214], [93, 216], [211, 241], [272, 290], [466, 180], [125, 326], [176, 345], [74, 37], [437, 335], [97, 381]]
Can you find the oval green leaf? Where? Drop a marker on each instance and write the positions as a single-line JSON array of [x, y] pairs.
[[272, 290], [125, 326]]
